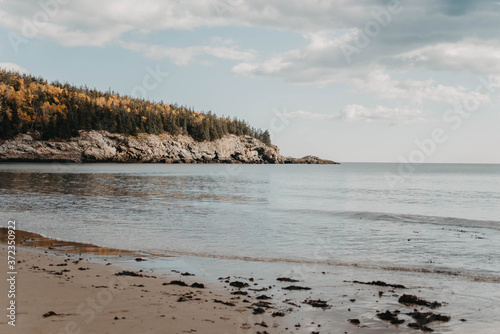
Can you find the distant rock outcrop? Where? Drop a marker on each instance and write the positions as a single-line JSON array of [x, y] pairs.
[[102, 146]]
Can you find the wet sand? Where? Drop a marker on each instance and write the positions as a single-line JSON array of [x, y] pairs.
[[62, 294], [66, 287]]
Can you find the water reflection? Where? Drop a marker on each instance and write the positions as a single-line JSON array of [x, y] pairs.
[[36, 240], [196, 188]]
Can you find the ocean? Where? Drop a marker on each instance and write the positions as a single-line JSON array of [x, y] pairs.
[[395, 222]]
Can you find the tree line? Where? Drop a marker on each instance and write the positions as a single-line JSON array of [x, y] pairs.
[[30, 104]]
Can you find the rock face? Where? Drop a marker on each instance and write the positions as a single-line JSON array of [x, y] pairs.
[[102, 146]]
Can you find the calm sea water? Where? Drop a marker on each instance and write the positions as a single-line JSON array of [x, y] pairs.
[[441, 218]]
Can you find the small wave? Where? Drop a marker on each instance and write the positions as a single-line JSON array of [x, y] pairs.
[[465, 274], [410, 218], [461, 273]]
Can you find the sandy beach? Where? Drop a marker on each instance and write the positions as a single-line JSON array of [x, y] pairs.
[[70, 287], [62, 294]]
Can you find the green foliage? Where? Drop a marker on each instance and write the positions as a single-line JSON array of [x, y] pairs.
[[29, 104]]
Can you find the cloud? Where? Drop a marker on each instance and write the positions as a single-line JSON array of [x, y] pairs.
[[371, 78], [95, 22], [476, 56], [13, 67], [355, 112], [380, 83], [99, 23], [183, 56], [321, 62], [457, 7], [306, 115], [327, 25]]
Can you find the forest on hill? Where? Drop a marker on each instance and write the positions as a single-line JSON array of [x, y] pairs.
[[30, 104]]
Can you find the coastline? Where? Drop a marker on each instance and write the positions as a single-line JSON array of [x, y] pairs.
[[103, 146], [78, 283], [59, 293]]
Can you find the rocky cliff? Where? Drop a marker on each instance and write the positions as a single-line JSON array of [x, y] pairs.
[[102, 146]]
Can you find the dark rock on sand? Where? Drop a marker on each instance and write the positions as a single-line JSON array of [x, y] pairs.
[[414, 300], [317, 303], [263, 324], [278, 314], [180, 283], [391, 317], [185, 297], [242, 293], [127, 273], [239, 284], [380, 283], [287, 279], [222, 302], [259, 290], [424, 318], [354, 321], [49, 314], [295, 287], [258, 310], [263, 297], [198, 285], [263, 304], [422, 328]]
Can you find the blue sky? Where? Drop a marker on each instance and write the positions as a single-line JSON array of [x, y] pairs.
[[385, 81]]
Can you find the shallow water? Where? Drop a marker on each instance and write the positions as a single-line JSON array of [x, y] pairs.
[[439, 218], [437, 229]]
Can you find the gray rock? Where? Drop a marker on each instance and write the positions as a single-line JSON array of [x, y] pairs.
[[102, 146]]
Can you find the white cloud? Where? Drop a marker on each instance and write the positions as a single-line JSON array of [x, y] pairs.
[[13, 67], [98, 22], [301, 114], [183, 56], [370, 78], [321, 62], [477, 56], [382, 85], [355, 112]]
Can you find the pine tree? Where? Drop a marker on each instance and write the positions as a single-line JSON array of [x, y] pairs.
[[59, 110]]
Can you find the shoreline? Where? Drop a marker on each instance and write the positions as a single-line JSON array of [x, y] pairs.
[[66, 293], [50, 280], [103, 146]]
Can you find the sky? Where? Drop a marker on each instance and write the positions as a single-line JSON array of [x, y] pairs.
[[352, 81]]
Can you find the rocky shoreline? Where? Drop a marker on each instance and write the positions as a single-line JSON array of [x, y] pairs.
[[103, 146]]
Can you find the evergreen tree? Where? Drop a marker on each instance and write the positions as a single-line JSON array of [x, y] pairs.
[[58, 110]]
